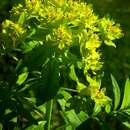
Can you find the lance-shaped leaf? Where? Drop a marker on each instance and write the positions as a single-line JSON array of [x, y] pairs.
[[22, 17], [73, 73], [116, 91], [126, 97], [21, 78]]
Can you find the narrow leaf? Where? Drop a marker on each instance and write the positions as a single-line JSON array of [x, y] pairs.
[[21, 19], [1, 126], [110, 43], [116, 91], [21, 78], [97, 109], [49, 107], [126, 97], [72, 74], [108, 108]]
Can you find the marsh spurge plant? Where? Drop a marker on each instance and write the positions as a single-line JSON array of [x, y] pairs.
[[56, 46]]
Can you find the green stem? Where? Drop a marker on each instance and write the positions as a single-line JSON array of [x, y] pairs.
[[72, 90], [49, 106]]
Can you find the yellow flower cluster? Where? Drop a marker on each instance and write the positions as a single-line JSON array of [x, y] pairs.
[[96, 93], [93, 59], [109, 31], [10, 25], [92, 62], [99, 95], [16, 10], [34, 6], [90, 54], [62, 37], [52, 14], [80, 14]]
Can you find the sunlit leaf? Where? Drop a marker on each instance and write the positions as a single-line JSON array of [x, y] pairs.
[[83, 116], [21, 78], [126, 123], [62, 98], [22, 18], [116, 91], [40, 126], [126, 97], [72, 74], [97, 109], [73, 118], [108, 108], [110, 43], [31, 100]]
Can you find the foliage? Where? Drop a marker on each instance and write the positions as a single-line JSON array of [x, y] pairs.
[[122, 108], [51, 54]]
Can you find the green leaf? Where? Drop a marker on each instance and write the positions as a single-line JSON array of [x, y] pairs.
[[40, 126], [81, 88], [47, 86], [21, 18], [108, 108], [73, 118], [31, 100], [116, 91], [65, 94], [14, 119], [28, 46], [49, 108], [24, 88], [38, 56], [97, 109], [83, 116], [32, 127], [72, 74], [126, 123], [62, 98], [127, 111], [65, 127], [1, 126], [21, 78], [109, 43], [126, 97], [67, 123]]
